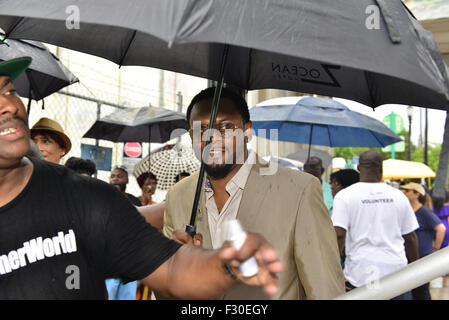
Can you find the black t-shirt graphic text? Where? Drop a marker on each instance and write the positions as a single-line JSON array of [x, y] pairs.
[[64, 234]]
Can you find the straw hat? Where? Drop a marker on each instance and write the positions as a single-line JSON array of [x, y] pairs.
[[414, 186], [53, 126]]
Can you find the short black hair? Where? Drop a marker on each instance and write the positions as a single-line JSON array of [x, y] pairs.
[[122, 169], [345, 177], [370, 159], [239, 102], [81, 166], [315, 158], [144, 176]]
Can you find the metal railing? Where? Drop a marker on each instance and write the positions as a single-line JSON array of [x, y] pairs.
[[413, 275]]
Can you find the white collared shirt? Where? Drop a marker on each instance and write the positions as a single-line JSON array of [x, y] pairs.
[[229, 211]]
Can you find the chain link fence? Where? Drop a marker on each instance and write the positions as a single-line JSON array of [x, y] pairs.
[[105, 88]]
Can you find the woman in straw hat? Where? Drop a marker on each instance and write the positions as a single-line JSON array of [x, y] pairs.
[[51, 140]]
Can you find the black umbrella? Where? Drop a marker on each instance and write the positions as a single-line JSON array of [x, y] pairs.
[[370, 51], [333, 48], [145, 124], [45, 75]]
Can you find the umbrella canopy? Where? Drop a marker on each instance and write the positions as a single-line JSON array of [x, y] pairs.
[[45, 75], [319, 121], [306, 46], [167, 164], [370, 51], [289, 163], [394, 169], [145, 124]]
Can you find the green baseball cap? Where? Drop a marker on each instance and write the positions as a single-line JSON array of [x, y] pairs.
[[15, 67]]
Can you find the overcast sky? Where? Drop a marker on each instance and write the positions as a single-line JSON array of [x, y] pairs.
[[436, 118]]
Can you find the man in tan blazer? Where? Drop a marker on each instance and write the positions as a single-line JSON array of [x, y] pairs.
[[285, 206]]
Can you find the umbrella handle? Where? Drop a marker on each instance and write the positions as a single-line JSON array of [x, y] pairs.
[[191, 230], [191, 227], [29, 106]]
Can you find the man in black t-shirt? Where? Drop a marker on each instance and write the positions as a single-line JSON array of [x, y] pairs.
[[62, 234]]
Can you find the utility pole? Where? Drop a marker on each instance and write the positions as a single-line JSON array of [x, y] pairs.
[[420, 141], [161, 88], [179, 101], [393, 128], [409, 115], [426, 129]]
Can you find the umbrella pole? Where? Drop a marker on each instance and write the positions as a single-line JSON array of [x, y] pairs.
[[149, 155], [29, 101], [310, 142], [29, 106], [190, 228]]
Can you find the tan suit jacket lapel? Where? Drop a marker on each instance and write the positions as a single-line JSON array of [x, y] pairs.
[[202, 223], [253, 197]]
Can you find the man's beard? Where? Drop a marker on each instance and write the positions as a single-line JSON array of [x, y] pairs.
[[219, 171], [121, 187]]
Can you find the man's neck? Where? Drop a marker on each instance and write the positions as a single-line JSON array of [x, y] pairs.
[[370, 179], [14, 179], [219, 185]]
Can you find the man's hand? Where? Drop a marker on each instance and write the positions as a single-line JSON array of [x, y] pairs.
[[183, 237], [196, 273], [267, 259]]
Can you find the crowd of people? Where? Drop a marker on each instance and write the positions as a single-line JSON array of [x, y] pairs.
[[312, 239]]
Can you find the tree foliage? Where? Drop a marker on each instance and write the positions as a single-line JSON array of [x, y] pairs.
[[433, 152]]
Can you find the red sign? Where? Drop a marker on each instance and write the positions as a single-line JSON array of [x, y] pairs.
[[133, 149]]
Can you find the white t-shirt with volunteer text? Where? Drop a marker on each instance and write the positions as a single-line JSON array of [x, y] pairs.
[[375, 216]]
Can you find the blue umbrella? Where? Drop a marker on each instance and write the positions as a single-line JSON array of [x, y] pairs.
[[319, 121]]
